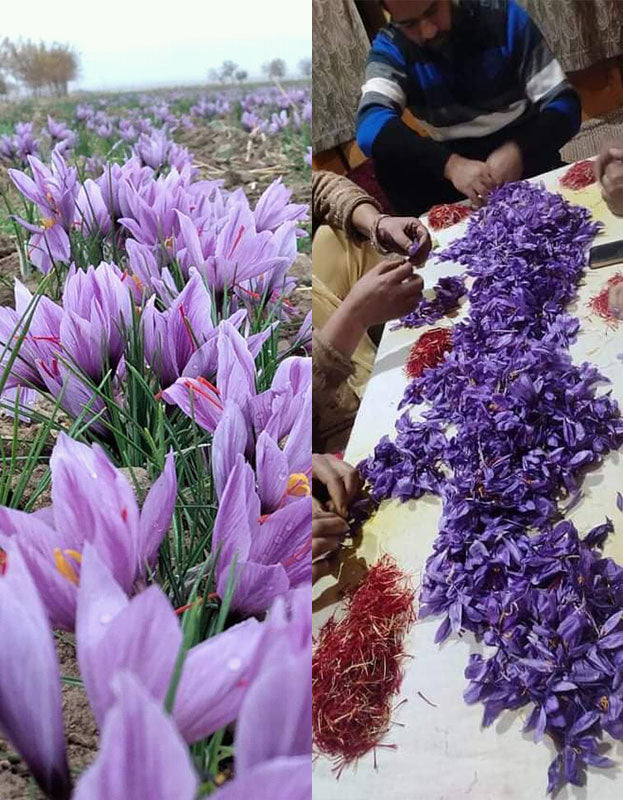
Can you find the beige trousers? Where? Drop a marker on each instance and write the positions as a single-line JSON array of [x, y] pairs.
[[337, 264]]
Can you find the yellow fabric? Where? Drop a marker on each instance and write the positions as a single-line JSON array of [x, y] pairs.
[[337, 264]]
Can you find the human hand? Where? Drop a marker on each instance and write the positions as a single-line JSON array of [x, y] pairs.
[[388, 291], [328, 531], [337, 482], [506, 163], [471, 178], [615, 301], [397, 234], [609, 172]]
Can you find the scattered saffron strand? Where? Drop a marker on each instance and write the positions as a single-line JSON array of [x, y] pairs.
[[446, 215], [357, 665], [579, 175], [599, 303], [429, 351]]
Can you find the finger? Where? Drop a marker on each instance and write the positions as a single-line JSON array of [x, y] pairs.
[[399, 236], [350, 477], [324, 546], [335, 526], [615, 302], [616, 152], [401, 273], [476, 199], [323, 470], [387, 265], [482, 188], [487, 181], [320, 569], [423, 237]]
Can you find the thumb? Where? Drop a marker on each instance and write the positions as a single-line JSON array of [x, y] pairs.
[[401, 240]]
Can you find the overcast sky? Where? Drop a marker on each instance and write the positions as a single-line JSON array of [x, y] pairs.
[[165, 42]]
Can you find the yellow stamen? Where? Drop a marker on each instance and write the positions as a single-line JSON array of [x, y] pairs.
[[64, 566], [47, 222], [298, 485], [138, 282]]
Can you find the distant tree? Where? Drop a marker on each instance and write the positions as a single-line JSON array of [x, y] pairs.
[[305, 67], [39, 66], [225, 73], [61, 66], [241, 75], [275, 69]]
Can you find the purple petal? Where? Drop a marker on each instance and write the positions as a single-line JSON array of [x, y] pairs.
[[30, 695], [157, 513], [141, 752], [203, 706], [289, 778], [142, 637]]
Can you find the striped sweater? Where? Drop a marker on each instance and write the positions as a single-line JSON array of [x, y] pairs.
[[496, 72]]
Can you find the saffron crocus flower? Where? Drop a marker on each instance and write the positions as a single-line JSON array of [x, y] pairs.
[[173, 336], [235, 377], [236, 253], [40, 342], [153, 149], [91, 502], [268, 554], [98, 309], [47, 245], [30, 695], [274, 208], [52, 189], [141, 752], [113, 633], [92, 214]]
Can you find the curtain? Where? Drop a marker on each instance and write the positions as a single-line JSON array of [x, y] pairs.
[[579, 32], [340, 47]]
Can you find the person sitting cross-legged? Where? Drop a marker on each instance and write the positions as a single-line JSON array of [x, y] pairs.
[[480, 78]]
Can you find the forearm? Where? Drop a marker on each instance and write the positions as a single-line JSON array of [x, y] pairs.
[[340, 203], [400, 147], [344, 330], [554, 125], [363, 218]]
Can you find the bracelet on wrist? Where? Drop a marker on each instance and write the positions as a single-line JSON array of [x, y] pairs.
[[374, 235]]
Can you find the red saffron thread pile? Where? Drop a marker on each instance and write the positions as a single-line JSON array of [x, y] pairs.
[[579, 175], [429, 350], [357, 665], [599, 303], [447, 214]]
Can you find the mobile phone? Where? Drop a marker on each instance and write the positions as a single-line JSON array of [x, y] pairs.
[[606, 254]]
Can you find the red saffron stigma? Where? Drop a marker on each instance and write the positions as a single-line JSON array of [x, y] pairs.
[[579, 175], [429, 351], [599, 303], [447, 214], [357, 665], [237, 241], [191, 386]]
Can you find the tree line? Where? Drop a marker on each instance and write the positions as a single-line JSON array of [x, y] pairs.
[[40, 68], [275, 69]]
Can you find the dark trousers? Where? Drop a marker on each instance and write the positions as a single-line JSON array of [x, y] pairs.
[[413, 191]]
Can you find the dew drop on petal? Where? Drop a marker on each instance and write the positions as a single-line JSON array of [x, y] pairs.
[[234, 664]]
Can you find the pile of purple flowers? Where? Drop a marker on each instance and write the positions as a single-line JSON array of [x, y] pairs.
[[526, 421], [448, 292]]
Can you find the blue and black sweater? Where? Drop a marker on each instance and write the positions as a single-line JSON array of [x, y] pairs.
[[496, 73]]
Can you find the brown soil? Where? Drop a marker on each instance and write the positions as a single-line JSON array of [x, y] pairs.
[[15, 780]]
